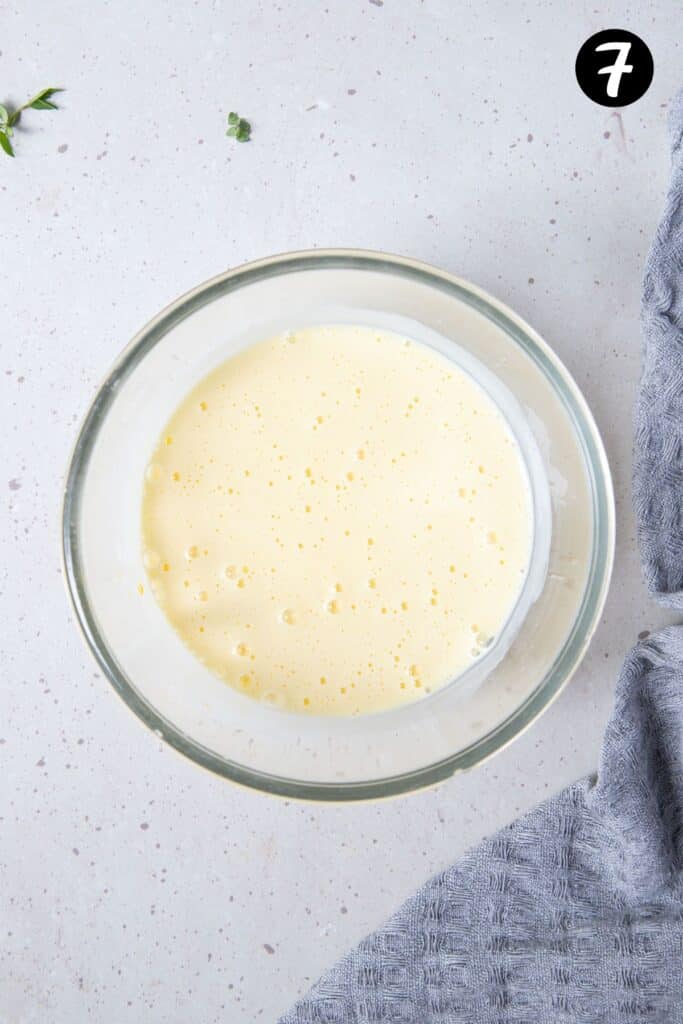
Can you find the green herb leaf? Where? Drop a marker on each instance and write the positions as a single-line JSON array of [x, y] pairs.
[[6, 144], [41, 101], [239, 129], [243, 130], [43, 105], [43, 97]]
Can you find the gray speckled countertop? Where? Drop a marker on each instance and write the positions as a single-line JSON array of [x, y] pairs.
[[134, 886]]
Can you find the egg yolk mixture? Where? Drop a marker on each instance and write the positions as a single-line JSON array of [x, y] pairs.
[[337, 520]]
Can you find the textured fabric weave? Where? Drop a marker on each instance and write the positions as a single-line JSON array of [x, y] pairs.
[[575, 912]]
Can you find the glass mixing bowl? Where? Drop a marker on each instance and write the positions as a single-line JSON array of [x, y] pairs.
[[344, 758]]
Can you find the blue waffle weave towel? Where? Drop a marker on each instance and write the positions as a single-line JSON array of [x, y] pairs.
[[575, 912]]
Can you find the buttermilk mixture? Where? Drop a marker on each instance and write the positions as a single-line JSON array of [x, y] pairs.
[[337, 520]]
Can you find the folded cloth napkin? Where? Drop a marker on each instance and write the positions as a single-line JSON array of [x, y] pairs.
[[574, 912]]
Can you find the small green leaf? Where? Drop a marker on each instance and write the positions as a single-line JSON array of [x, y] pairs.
[[41, 101], [44, 94], [239, 129], [6, 144], [43, 105]]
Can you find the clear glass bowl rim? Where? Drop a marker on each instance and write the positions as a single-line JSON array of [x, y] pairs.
[[601, 560]]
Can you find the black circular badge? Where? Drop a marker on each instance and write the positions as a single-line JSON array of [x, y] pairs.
[[614, 67]]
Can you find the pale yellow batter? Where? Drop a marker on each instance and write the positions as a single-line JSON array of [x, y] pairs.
[[337, 520]]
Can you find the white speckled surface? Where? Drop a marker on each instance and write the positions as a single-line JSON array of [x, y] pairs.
[[134, 885]]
